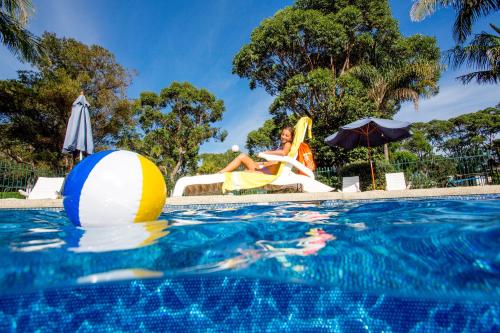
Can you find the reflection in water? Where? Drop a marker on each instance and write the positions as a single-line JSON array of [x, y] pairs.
[[119, 274], [38, 245], [279, 250], [115, 238], [100, 239], [309, 217]]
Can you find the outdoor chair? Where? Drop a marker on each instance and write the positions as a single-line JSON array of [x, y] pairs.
[[45, 188], [468, 181], [350, 184], [246, 180], [395, 181]]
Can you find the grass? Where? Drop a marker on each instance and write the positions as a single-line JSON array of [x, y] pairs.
[[11, 195]]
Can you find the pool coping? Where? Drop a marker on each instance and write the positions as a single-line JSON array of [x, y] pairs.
[[282, 197]]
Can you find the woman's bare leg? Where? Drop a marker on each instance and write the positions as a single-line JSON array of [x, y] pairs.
[[241, 159]]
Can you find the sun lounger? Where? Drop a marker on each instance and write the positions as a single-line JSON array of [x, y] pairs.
[[285, 175], [350, 184], [395, 181], [45, 188]]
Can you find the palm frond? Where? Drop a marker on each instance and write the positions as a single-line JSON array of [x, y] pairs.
[[482, 54], [468, 12], [481, 77], [21, 10], [22, 43], [406, 94], [423, 8]]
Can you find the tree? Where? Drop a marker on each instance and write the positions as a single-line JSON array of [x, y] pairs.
[[13, 18], [35, 108], [418, 143], [175, 123], [467, 13], [482, 54], [212, 163], [263, 138], [304, 56], [459, 136]]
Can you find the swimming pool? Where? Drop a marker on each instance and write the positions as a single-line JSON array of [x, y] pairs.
[[361, 266]]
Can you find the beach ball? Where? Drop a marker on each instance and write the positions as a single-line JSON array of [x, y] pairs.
[[114, 187]]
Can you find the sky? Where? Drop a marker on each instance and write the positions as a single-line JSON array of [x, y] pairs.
[[196, 40]]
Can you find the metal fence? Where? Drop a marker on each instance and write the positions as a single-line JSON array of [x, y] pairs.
[[15, 177], [436, 171]]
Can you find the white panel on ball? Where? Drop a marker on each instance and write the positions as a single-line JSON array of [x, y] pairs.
[[116, 181]]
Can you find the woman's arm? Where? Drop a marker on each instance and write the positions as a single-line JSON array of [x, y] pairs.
[[280, 152]]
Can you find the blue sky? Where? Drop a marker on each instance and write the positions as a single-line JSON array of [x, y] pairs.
[[195, 41]]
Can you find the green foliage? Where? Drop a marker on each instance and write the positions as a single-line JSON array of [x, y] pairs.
[[212, 163], [459, 136], [404, 160], [13, 18], [482, 54], [467, 13], [418, 142], [175, 123], [307, 56], [11, 195], [433, 172], [35, 108], [362, 169], [263, 138]]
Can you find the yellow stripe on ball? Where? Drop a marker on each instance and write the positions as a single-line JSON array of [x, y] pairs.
[[154, 192]]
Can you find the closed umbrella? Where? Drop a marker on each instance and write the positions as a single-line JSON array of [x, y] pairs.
[[369, 132], [79, 131]]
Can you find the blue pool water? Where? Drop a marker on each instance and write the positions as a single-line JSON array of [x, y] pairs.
[[378, 266]]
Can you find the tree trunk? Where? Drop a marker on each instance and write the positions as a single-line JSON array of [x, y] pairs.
[[386, 151], [176, 168]]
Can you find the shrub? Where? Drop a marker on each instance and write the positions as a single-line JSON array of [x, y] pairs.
[[405, 161], [362, 169]]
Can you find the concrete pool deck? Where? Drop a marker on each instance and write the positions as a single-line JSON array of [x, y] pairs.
[[287, 197]]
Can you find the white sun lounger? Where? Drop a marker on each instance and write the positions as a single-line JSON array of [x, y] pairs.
[[45, 188], [286, 177], [350, 184], [395, 181]]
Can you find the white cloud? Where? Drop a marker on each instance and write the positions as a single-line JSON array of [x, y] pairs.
[[452, 100]]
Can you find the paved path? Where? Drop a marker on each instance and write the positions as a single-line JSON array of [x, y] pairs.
[[289, 197]]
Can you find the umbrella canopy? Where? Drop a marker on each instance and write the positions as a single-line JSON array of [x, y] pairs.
[[79, 132], [369, 132]]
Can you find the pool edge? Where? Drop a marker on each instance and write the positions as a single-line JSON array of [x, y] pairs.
[[282, 197]]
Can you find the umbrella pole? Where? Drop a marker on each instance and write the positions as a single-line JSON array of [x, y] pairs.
[[371, 168], [370, 158]]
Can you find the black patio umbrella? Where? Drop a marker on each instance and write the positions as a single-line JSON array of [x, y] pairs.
[[369, 132]]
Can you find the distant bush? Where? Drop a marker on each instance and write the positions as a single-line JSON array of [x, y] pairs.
[[404, 160], [362, 169]]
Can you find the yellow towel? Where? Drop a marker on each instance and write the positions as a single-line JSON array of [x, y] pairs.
[[240, 180]]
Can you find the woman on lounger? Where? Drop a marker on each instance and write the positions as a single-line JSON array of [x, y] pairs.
[[270, 168]]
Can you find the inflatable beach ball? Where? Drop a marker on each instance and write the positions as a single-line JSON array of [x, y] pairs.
[[114, 187]]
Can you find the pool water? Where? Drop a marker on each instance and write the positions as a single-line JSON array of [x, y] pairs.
[[363, 266]]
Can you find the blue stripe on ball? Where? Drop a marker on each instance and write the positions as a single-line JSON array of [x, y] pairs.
[[74, 184]]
